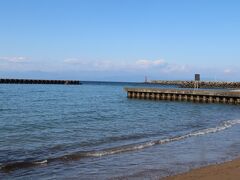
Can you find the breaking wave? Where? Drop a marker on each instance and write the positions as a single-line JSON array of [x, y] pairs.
[[109, 151]]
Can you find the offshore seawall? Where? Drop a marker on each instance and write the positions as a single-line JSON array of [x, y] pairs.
[[39, 81], [201, 84]]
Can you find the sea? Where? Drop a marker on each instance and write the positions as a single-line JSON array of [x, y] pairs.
[[93, 131]]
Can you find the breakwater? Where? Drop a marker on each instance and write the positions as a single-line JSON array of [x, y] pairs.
[[38, 81], [201, 84], [206, 96]]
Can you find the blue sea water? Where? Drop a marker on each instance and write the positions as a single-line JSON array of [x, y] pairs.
[[93, 131]]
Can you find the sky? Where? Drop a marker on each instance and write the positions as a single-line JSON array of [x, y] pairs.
[[120, 40]]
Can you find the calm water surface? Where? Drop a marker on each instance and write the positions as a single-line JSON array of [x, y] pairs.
[[93, 131]]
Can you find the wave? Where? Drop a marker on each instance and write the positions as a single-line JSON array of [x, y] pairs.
[[113, 139], [109, 151]]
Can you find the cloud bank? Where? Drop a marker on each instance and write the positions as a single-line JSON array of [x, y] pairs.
[[14, 59], [142, 64], [133, 70]]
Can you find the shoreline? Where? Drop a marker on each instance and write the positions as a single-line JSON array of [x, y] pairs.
[[227, 170]]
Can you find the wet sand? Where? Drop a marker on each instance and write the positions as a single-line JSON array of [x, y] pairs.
[[225, 171]]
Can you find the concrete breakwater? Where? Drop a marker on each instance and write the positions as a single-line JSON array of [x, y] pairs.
[[201, 84], [38, 81], [205, 96]]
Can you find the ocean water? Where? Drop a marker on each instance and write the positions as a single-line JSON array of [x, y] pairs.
[[93, 131]]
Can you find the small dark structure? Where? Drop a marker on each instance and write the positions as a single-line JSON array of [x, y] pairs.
[[206, 96], [196, 82], [197, 77], [38, 81]]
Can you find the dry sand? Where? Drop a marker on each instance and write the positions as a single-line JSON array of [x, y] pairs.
[[226, 171]]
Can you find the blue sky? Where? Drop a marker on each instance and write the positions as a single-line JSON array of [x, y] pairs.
[[120, 40]]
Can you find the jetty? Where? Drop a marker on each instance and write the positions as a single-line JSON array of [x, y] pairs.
[[39, 81], [194, 95]]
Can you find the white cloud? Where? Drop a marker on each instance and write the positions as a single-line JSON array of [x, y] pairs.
[[153, 66], [90, 64], [228, 71], [169, 68], [14, 59], [149, 64], [73, 61]]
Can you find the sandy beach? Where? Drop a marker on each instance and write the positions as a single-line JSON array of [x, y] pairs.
[[225, 171]]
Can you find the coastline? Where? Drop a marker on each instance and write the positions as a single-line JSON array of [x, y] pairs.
[[228, 170]]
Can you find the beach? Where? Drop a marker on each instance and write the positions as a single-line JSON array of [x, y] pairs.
[[228, 170]]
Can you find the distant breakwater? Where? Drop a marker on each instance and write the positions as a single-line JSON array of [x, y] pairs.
[[38, 81], [201, 84]]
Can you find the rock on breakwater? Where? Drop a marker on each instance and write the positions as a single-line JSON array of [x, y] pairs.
[[201, 84]]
